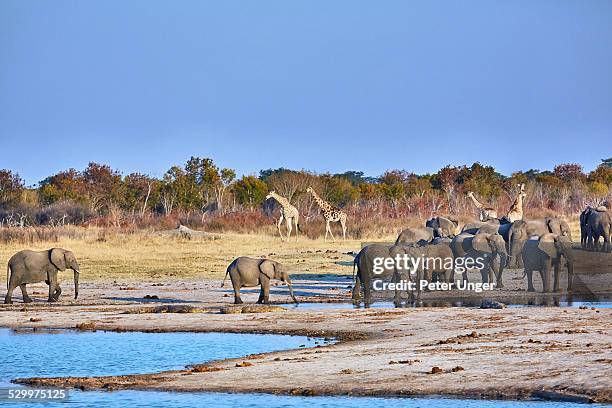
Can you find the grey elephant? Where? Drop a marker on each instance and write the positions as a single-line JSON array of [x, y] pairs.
[[522, 230], [369, 271], [489, 248], [443, 227], [249, 272], [415, 235], [599, 224], [440, 260], [36, 266], [584, 226], [543, 254]]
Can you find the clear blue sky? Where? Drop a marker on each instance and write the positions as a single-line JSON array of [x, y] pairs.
[[321, 85]]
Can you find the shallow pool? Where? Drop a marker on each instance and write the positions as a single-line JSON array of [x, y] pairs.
[[68, 353]]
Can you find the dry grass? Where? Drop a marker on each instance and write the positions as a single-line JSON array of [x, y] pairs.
[[107, 255]]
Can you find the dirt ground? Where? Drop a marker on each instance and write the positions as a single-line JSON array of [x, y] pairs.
[[527, 352]]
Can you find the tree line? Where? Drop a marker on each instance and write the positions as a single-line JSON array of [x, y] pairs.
[[200, 187]]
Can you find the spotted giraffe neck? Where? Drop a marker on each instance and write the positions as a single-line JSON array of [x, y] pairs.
[[281, 200], [324, 205], [476, 202]]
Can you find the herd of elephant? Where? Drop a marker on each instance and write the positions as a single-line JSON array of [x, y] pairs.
[[535, 245]]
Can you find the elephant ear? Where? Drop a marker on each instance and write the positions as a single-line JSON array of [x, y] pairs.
[[267, 268], [480, 242], [56, 255], [547, 245], [553, 225], [500, 244]]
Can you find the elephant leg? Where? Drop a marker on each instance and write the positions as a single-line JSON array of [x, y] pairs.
[[52, 287], [8, 299], [547, 277], [357, 289], [557, 271], [367, 290], [265, 292], [484, 273], [57, 292], [236, 286], [24, 292], [529, 274]]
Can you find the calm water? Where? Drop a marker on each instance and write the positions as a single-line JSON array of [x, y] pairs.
[[64, 353]]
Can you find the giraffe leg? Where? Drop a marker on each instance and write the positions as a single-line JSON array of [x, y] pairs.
[[288, 221], [330, 231], [343, 223], [295, 219], [326, 230], [280, 220]]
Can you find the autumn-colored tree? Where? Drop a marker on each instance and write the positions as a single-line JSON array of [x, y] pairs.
[[68, 185], [602, 174], [569, 172], [104, 188]]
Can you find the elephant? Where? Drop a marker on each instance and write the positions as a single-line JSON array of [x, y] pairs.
[[366, 274], [440, 261], [443, 227], [584, 226], [487, 226], [249, 272], [36, 266], [491, 248], [522, 230], [415, 235], [599, 224], [542, 253]]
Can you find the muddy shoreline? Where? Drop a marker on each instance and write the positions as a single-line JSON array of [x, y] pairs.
[[515, 353]]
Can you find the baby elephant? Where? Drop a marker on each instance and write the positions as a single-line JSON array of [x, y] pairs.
[[249, 272], [36, 266]]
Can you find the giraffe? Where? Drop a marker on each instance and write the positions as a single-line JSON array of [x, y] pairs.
[[288, 212], [516, 209], [484, 213], [330, 213]]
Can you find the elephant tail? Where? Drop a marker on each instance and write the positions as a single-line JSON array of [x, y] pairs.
[[8, 274], [226, 273]]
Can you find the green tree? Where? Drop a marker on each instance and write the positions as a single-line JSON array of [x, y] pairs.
[[250, 191], [11, 188], [141, 192]]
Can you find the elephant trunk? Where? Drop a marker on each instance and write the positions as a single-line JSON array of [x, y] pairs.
[[291, 290], [76, 283]]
